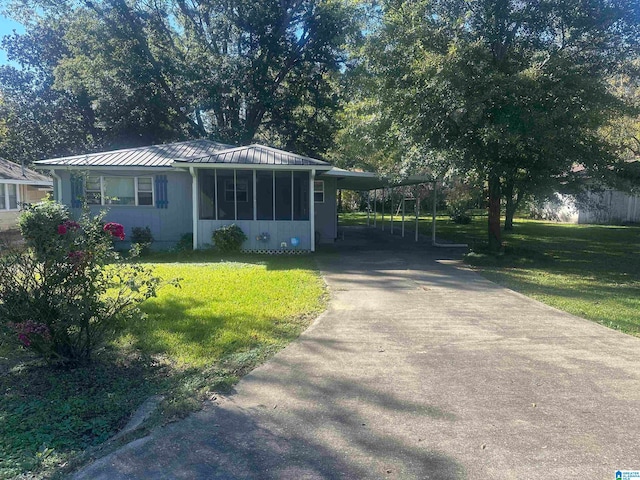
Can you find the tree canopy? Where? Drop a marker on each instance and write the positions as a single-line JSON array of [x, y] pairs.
[[134, 72], [517, 92]]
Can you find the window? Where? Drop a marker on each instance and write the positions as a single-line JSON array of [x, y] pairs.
[[318, 191], [242, 189], [93, 191], [8, 196], [12, 193], [145, 190], [229, 194], [119, 191]]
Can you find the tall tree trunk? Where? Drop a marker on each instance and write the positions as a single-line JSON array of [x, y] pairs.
[[511, 205], [495, 238]]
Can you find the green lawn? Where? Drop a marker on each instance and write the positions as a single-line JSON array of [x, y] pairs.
[[226, 318], [592, 271]]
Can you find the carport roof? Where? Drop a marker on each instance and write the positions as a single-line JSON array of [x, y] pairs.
[[350, 180]]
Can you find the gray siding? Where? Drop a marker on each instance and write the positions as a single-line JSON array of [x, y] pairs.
[[279, 231], [326, 218], [167, 224]]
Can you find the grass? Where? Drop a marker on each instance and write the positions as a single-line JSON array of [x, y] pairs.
[[592, 271], [226, 318]]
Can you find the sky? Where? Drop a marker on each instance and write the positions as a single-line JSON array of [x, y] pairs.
[[6, 28]]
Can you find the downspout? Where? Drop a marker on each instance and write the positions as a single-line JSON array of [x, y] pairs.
[[312, 208], [194, 207]]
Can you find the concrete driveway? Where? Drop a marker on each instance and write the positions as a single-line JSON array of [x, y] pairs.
[[420, 369]]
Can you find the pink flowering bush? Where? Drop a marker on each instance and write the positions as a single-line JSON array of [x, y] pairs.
[[115, 229], [69, 291]]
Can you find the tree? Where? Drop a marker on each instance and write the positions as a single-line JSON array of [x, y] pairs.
[[41, 121], [234, 71], [514, 91]]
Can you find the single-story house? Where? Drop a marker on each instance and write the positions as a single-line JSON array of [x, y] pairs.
[[281, 200], [19, 186]]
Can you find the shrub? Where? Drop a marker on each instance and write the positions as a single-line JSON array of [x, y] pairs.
[[142, 237], [38, 222], [229, 238], [69, 290], [459, 216], [185, 243]]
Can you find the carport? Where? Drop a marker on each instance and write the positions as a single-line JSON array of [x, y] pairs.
[[384, 187]]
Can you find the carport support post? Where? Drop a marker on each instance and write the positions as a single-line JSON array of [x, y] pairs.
[[382, 218], [368, 207], [403, 198], [375, 207], [433, 215], [417, 210], [391, 198]]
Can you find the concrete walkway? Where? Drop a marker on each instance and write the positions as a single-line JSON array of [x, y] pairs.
[[420, 369]]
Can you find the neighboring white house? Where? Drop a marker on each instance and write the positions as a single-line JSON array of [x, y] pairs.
[[18, 186], [610, 207]]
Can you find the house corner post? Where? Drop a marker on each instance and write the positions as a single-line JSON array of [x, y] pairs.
[[194, 206], [312, 208]]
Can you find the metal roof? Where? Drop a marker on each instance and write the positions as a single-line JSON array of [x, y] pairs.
[[256, 155], [361, 181], [150, 156], [13, 171]]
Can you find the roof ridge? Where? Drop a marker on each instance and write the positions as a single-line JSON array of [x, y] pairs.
[[274, 149], [131, 149]]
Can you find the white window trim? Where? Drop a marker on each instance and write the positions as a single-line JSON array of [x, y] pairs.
[[6, 198], [315, 183], [135, 189]]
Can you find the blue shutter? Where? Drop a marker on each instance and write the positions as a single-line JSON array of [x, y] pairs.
[[162, 199], [77, 191]]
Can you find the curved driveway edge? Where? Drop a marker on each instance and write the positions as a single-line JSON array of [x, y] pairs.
[[419, 369]]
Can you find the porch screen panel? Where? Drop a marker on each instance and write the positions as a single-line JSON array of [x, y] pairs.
[[283, 195], [207, 187], [301, 195], [226, 207], [244, 194], [264, 194]]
